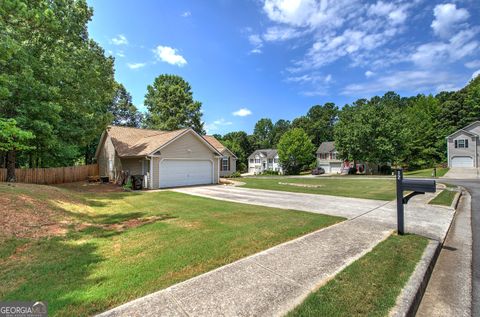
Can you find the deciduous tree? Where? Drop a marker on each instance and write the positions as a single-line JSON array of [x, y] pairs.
[[295, 151]]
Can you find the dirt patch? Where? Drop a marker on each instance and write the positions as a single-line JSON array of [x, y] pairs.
[[86, 187], [301, 185], [124, 225]]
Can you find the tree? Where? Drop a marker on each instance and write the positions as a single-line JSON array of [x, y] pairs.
[[263, 134], [56, 82], [123, 111], [12, 139], [279, 128], [238, 142], [319, 122], [295, 151], [170, 105]]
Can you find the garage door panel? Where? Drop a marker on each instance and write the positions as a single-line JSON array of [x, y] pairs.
[[462, 161], [175, 173]]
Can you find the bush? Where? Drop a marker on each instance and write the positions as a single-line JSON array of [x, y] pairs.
[[128, 185], [234, 175], [352, 171], [269, 172], [385, 170]]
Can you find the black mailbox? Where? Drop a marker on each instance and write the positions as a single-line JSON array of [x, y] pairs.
[[415, 187]]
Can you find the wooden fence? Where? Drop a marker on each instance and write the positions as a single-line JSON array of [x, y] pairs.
[[53, 175]]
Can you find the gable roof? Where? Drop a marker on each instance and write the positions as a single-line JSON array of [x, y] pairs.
[[326, 147], [465, 130], [133, 142], [268, 153], [217, 144]]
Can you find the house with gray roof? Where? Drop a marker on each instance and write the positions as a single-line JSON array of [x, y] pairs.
[[463, 147], [327, 158], [264, 160]]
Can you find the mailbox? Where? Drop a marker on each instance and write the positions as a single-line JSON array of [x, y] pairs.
[[416, 187]]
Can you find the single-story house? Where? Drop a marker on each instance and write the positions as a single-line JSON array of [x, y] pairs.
[[463, 147], [330, 161], [165, 158], [264, 160]]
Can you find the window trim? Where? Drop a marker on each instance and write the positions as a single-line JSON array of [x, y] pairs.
[[225, 167]]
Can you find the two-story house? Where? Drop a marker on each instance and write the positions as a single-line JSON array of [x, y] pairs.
[[463, 147], [264, 160], [327, 158]]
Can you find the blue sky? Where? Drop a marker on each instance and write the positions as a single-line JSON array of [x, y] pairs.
[[250, 59]]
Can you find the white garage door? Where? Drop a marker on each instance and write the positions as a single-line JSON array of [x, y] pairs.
[[326, 168], [462, 161], [174, 173], [335, 168]]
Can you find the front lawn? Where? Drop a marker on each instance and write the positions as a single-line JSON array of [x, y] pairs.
[[427, 172], [381, 189], [370, 285], [95, 251]]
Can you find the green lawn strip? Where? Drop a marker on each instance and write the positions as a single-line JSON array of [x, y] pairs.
[[95, 269], [427, 172], [381, 189], [370, 285], [445, 198]]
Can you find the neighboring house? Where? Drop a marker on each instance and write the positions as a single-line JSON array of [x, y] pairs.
[[463, 147], [165, 158], [264, 160], [228, 162], [327, 158]]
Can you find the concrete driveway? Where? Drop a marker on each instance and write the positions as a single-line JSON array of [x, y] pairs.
[[462, 173], [427, 220]]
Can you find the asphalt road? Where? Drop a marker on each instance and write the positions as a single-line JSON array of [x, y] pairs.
[[473, 187]]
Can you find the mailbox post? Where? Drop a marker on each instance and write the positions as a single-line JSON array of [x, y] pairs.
[[416, 187]]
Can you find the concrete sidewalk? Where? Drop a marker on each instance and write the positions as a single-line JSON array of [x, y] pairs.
[[269, 283]]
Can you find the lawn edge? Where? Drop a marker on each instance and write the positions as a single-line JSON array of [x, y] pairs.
[[411, 295]]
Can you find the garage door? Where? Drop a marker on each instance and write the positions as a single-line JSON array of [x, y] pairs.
[[174, 173], [335, 168], [462, 161], [326, 167]]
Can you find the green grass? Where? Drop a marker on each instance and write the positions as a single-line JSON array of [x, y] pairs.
[[90, 270], [381, 189], [370, 285], [427, 172], [445, 198]]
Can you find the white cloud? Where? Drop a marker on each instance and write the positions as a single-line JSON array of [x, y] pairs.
[[369, 73], [215, 125], [256, 51], [257, 43], [473, 64], [242, 112], [136, 65], [169, 55], [120, 54], [412, 80], [447, 19], [475, 74], [119, 40], [186, 14], [276, 33]]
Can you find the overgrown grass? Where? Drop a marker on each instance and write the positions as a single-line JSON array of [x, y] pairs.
[[381, 189], [445, 198], [370, 285], [427, 172], [93, 269]]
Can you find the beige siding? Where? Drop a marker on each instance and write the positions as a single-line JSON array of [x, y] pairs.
[[470, 151], [133, 165], [187, 146], [106, 154], [233, 164]]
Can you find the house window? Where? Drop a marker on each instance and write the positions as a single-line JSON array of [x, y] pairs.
[[251, 161], [270, 161], [461, 144], [275, 160], [333, 156], [257, 160], [225, 163]]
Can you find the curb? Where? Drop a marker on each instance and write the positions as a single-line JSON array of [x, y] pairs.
[[409, 299]]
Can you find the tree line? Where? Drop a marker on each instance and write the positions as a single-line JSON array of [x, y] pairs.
[[58, 94]]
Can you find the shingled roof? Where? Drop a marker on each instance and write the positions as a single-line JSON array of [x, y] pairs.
[[326, 147], [268, 153]]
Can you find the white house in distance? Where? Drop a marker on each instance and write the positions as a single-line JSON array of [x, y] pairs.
[[463, 147], [264, 160]]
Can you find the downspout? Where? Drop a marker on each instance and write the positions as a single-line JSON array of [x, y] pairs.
[[150, 179]]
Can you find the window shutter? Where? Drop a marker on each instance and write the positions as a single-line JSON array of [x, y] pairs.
[[456, 144], [466, 143], [228, 167]]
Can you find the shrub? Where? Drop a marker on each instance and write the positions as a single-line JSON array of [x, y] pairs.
[[270, 172]]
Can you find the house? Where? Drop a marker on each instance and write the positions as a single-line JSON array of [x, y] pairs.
[[165, 158], [463, 147], [264, 160], [228, 162], [327, 158]]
